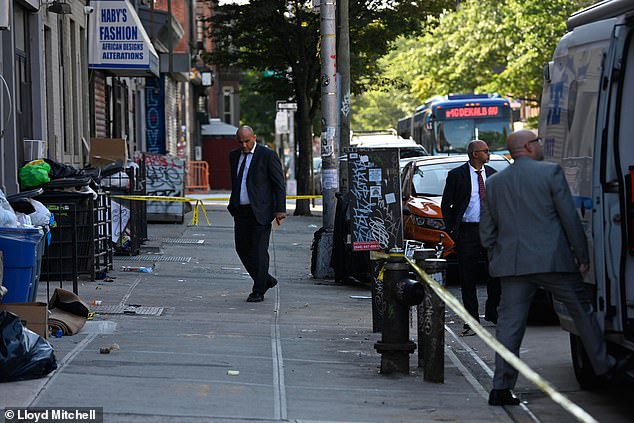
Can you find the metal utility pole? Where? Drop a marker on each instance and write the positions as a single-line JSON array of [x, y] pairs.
[[329, 147], [343, 66]]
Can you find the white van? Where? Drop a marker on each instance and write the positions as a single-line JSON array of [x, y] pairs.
[[408, 148], [587, 123]]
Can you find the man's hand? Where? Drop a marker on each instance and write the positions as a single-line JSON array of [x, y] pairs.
[[279, 217], [584, 267]]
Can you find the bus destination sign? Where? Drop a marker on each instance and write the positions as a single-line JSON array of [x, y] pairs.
[[466, 112]]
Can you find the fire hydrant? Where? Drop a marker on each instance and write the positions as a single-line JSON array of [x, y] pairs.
[[400, 293]]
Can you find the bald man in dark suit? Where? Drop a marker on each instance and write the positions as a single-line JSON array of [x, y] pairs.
[[461, 201], [258, 197]]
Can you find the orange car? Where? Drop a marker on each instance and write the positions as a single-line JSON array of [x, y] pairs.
[[423, 181]]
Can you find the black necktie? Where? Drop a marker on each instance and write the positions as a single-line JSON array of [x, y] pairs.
[[235, 192], [241, 170]]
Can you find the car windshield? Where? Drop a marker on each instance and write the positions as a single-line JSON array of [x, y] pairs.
[[429, 179], [407, 152]]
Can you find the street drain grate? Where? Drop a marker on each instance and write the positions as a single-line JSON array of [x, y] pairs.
[[155, 257], [128, 309], [182, 241]]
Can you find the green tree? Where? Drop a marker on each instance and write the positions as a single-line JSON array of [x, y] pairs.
[[283, 35], [257, 105], [382, 105], [481, 47]]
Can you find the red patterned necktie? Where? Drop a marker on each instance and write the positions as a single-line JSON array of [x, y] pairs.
[[480, 186]]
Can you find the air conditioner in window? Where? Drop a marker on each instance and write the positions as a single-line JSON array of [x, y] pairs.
[[4, 15]]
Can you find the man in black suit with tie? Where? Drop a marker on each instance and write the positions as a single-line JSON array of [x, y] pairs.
[[258, 196], [461, 202]]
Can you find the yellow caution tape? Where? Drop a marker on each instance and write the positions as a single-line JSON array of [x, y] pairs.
[[188, 199], [507, 355], [302, 197], [288, 197], [381, 273], [198, 202], [154, 198]]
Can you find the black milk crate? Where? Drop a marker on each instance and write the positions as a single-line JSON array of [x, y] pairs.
[[91, 226], [129, 217], [59, 261]]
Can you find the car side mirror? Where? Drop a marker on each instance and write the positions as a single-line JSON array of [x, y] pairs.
[[406, 211]]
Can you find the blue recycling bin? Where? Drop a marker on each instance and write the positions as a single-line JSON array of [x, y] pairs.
[[21, 249]]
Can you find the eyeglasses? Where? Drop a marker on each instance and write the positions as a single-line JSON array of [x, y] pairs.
[[482, 151], [540, 141]]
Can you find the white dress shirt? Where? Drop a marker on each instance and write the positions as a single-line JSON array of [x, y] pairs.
[[472, 214], [244, 195]]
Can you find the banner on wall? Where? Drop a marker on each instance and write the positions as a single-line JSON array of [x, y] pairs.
[[118, 42], [155, 116]]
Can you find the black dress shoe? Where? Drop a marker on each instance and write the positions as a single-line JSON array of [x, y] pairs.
[[491, 317], [271, 283], [254, 297], [503, 397], [618, 369]]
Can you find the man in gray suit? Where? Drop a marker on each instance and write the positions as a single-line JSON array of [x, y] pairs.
[[530, 228]]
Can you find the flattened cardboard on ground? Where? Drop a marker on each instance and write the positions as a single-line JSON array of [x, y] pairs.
[[104, 151], [34, 316]]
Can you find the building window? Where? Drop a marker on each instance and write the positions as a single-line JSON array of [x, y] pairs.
[[23, 104], [200, 33], [227, 105]]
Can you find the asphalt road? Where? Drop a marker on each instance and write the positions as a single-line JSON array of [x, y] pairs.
[[546, 350], [306, 354]]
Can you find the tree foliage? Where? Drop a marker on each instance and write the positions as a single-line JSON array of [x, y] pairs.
[[488, 46], [283, 35]]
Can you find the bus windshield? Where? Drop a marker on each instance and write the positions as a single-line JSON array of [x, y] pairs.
[[453, 136]]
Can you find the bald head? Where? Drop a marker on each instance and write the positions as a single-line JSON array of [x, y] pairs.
[[478, 152], [246, 138], [245, 130], [525, 143]]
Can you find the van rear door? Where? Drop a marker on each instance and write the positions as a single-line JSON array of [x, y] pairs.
[[613, 217]]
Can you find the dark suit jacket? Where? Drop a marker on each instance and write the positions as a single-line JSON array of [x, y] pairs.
[[455, 197], [265, 184]]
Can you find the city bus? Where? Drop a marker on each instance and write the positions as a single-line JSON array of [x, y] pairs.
[[446, 124]]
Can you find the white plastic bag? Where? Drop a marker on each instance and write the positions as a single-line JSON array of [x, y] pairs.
[[41, 216], [8, 219]]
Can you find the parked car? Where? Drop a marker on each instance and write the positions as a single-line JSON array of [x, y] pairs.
[[423, 182]]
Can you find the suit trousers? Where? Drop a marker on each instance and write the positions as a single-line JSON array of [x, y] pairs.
[[470, 251], [252, 246], [517, 294]]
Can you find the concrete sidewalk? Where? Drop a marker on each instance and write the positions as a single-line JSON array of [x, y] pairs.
[[304, 354]]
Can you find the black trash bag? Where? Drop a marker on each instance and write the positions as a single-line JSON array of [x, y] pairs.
[[61, 170], [23, 353]]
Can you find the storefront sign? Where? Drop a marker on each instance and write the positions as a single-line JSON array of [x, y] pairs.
[[118, 41]]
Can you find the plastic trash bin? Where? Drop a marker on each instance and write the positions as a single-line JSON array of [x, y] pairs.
[[20, 248], [41, 246]]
